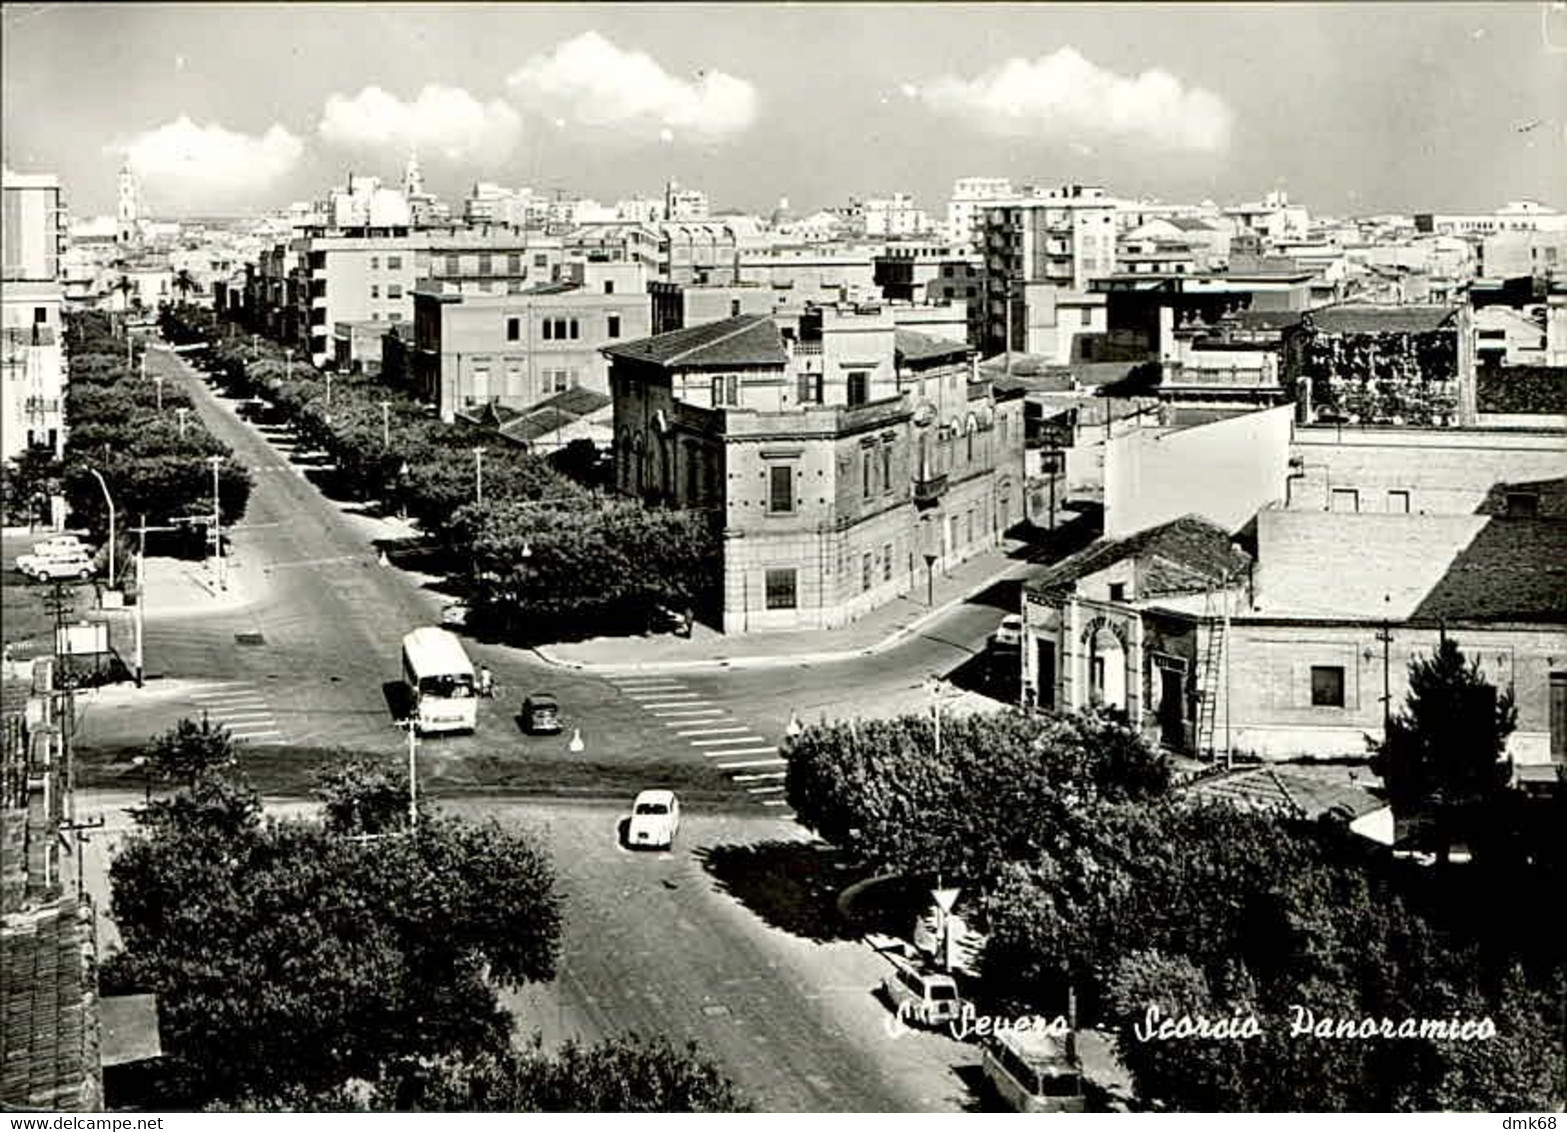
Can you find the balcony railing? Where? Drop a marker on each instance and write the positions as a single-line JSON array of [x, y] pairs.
[[929, 490], [40, 406]]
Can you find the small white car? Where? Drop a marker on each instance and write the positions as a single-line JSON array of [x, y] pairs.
[[921, 997], [51, 569], [454, 615], [62, 546], [655, 819], [1009, 634]]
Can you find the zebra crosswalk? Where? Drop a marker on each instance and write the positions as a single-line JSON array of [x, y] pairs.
[[751, 761], [241, 708]]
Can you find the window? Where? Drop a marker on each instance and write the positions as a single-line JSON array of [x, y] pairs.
[[541, 261], [1345, 499], [1117, 591], [513, 329], [780, 589], [734, 308], [1327, 685], [1398, 503], [612, 327], [454, 265], [810, 389], [886, 562], [549, 329], [574, 331], [394, 263], [969, 442], [486, 265], [886, 470], [1085, 317], [1523, 504], [859, 386], [1559, 717], [375, 263], [868, 472], [513, 265], [40, 314], [867, 567], [394, 316], [780, 490], [375, 290], [394, 290], [609, 286]]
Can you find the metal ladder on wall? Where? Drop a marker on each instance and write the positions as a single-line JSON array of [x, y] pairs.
[[1209, 678]]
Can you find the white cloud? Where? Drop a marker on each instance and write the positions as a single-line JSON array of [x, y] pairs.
[[442, 120], [183, 162], [1065, 94], [597, 83]]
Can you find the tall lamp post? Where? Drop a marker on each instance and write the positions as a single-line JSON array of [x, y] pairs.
[[930, 578], [180, 412], [478, 475], [105, 487], [386, 423], [217, 521]]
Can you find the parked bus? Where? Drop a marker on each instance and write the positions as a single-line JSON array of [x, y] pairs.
[[1035, 1071], [440, 678]]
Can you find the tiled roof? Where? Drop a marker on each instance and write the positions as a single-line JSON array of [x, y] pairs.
[[1515, 569], [1290, 789], [1190, 546], [912, 346], [1192, 224], [1351, 319], [579, 401], [49, 1041], [747, 340], [554, 413]]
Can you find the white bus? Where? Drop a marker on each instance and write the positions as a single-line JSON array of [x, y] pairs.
[[440, 678]]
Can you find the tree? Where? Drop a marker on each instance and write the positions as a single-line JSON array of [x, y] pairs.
[[185, 283], [1443, 757], [288, 957], [189, 750], [364, 797]]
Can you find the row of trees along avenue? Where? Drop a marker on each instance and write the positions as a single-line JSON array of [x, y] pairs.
[[348, 961], [543, 554], [139, 434], [1093, 873]]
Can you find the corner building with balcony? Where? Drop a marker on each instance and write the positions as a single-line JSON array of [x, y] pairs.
[[846, 461]]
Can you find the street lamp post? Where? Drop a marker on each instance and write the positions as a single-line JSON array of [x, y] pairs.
[[413, 776], [217, 521], [180, 412], [99, 477], [386, 423], [478, 475], [157, 380], [930, 578], [328, 391]]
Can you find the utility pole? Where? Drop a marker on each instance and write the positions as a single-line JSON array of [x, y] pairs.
[[110, 501], [1386, 637], [478, 475], [386, 423], [141, 595], [413, 774], [217, 521], [180, 412]]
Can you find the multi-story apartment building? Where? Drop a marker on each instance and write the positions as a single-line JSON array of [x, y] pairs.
[[517, 346], [1063, 240], [1514, 216], [489, 203], [684, 204], [971, 196], [32, 366], [815, 274], [845, 463], [894, 217], [1272, 218]]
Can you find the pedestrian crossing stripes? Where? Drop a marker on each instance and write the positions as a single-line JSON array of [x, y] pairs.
[[242, 710], [711, 731]]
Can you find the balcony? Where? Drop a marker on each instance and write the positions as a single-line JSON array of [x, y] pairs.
[[928, 491], [41, 406]]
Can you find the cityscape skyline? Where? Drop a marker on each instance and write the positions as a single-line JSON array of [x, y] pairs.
[[1415, 108]]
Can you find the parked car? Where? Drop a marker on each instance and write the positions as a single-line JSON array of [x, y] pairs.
[[1034, 1071], [655, 819], [50, 569], [923, 997], [665, 619], [1009, 634], [541, 714], [62, 546], [454, 615]]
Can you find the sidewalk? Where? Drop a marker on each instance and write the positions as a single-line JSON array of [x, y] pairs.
[[176, 587], [877, 631]]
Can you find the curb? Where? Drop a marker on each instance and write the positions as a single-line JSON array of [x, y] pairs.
[[777, 660]]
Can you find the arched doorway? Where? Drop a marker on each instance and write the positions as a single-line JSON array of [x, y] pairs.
[[1105, 658]]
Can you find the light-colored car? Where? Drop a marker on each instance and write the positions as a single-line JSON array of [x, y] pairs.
[[1009, 634], [62, 546], [655, 819], [50, 569], [454, 615], [922, 997]]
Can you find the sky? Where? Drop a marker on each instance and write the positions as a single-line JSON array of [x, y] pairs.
[[1350, 108]]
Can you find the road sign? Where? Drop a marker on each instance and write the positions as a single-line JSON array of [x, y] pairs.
[[945, 898]]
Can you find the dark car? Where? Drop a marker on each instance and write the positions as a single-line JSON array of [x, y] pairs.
[[664, 619], [541, 714]]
